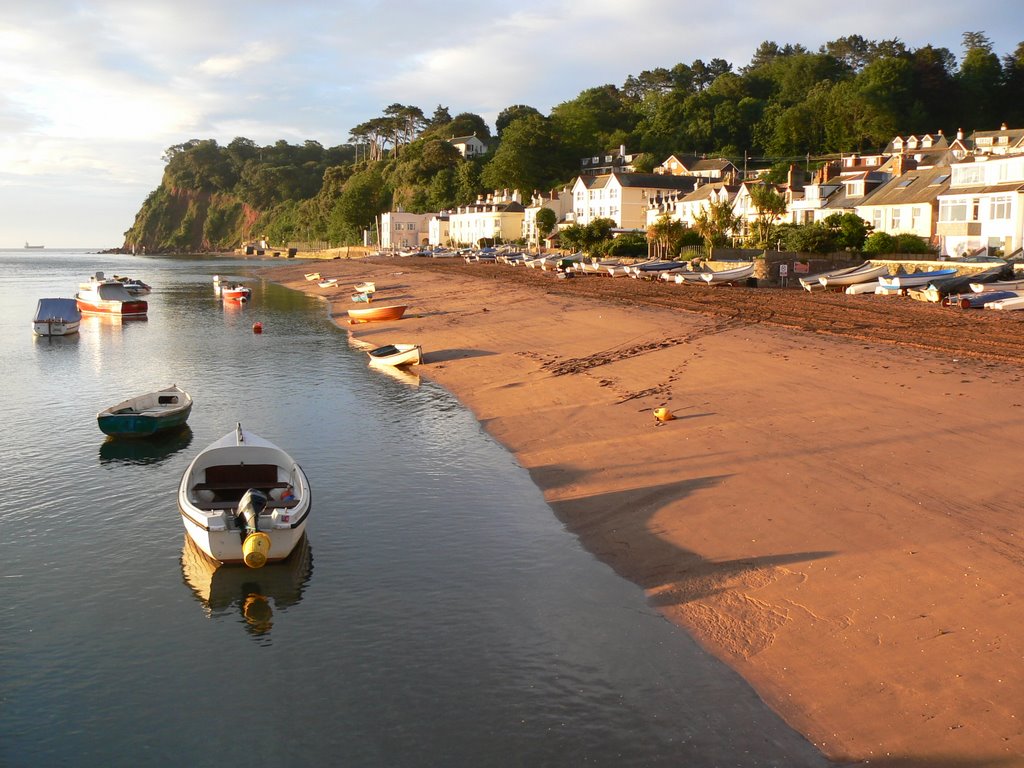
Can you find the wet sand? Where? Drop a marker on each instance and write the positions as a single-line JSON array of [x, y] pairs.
[[834, 512]]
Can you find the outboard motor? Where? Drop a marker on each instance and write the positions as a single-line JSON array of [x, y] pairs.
[[253, 502], [255, 545]]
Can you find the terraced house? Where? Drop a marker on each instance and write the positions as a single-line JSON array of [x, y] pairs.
[[983, 208]]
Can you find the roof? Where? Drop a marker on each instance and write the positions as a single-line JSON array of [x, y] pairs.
[[919, 186], [465, 139], [654, 180]]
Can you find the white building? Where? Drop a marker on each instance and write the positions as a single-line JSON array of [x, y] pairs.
[[984, 206], [399, 229]]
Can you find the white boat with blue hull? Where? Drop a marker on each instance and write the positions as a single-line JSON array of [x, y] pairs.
[[244, 500]]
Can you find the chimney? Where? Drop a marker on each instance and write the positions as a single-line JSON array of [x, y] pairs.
[[960, 134], [1002, 127]]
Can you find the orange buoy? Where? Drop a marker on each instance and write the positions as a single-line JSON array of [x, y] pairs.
[[257, 327], [663, 414]]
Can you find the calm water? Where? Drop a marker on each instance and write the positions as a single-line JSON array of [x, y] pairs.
[[439, 616]]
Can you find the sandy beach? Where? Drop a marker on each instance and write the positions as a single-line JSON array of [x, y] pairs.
[[834, 512]]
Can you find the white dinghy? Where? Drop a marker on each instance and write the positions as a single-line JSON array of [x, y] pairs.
[[244, 500]]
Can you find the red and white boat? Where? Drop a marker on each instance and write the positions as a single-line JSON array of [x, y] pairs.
[[103, 296], [237, 292]]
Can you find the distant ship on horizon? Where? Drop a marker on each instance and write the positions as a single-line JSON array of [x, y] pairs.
[[33, 247]]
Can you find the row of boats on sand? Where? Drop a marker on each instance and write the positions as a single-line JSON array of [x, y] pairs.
[[653, 269], [993, 288]]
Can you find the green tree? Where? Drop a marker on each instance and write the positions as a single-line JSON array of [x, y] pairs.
[[715, 223], [848, 230], [510, 114], [521, 160], [546, 220], [769, 205]]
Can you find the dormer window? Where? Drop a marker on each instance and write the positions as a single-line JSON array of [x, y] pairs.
[[897, 143], [927, 141], [912, 142]]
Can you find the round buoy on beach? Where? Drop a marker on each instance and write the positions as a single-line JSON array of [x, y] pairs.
[[663, 414], [257, 327]]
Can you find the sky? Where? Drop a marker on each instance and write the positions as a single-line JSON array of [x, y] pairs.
[[92, 92]]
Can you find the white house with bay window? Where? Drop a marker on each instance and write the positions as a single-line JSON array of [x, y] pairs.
[[984, 206], [399, 229]]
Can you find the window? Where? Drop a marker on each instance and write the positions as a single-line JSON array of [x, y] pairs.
[[1000, 207], [952, 210], [896, 219], [940, 179], [906, 183], [876, 219], [968, 174], [915, 217]]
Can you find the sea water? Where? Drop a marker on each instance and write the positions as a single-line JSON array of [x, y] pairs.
[[437, 614]]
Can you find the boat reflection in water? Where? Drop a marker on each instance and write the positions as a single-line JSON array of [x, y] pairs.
[[146, 450], [255, 594], [401, 374]]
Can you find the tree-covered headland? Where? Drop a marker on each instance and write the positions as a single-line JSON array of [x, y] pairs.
[[787, 105]]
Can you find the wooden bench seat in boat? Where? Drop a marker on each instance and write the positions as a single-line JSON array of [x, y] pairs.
[[240, 477], [211, 505]]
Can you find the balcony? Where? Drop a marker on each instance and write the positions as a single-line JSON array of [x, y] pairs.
[[959, 228]]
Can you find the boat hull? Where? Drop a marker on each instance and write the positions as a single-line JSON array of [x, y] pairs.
[[140, 425], [376, 314], [90, 306], [397, 354], [55, 327], [147, 414]]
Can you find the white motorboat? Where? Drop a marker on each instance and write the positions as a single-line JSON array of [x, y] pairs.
[[103, 296], [236, 292], [56, 317], [244, 500]]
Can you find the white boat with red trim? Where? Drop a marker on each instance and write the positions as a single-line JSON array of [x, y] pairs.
[[103, 296]]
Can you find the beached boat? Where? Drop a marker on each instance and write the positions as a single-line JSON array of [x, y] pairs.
[[236, 292], [977, 300], [728, 275], [813, 282], [365, 287], [396, 354], [376, 314], [936, 290], [865, 273], [997, 285], [311, 276], [147, 414], [103, 296], [691, 276], [901, 281], [56, 317], [133, 285], [328, 283], [244, 500], [364, 298], [1008, 304], [858, 288]]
